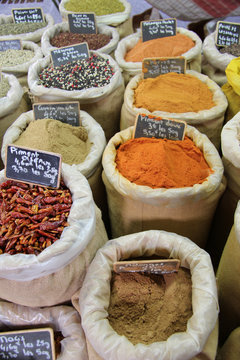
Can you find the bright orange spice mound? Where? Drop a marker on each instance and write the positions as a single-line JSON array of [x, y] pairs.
[[175, 93], [162, 163], [168, 46]]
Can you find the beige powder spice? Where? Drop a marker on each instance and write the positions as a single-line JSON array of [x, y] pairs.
[[145, 310], [54, 136]]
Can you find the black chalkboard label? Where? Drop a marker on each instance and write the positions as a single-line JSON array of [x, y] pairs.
[[33, 166], [154, 67], [82, 23], [27, 15], [152, 126], [66, 112], [154, 29], [34, 344], [10, 44], [227, 33], [67, 54]]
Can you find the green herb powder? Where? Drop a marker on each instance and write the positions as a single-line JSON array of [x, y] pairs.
[[99, 7]]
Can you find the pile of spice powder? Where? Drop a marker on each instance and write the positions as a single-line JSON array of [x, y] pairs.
[[174, 93], [162, 163], [95, 41], [233, 49], [4, 87], [145, 310], [167, 46], [21, 28], [77, 75], [99, 7], [13, 57]]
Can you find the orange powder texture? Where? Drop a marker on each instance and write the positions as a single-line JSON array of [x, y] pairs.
[[175, 93], [162, 163], [168, 46]]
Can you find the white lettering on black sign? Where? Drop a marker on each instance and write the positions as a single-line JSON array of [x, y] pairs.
[[27, 15], [10, 44], [154, 29], [68, 112], [154, 67], [82, 23], [27, 345], [33, 166], [69, 54], [227, 33], [146, 126]]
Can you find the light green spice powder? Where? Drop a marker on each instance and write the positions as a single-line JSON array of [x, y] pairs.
[[21, 28], [4, 87], [12, 57], [99, 7]]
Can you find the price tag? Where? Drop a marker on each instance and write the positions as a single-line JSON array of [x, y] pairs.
[[66, 112], [152, 126], [27, 15], [15, 44], [227, 33], [82, 23], [34, 344], [154, 29], [33, 166], [69, 54], [162, 267], [154, 67]]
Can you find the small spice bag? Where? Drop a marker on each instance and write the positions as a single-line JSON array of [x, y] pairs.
[[93, 301], [52, 276], [34, 35], [230, 349], [64, 320], [130, 68], [12, 105], [103, 102], [121, 20], [59, 28], [12, 61], [208, 121], [185, 210]]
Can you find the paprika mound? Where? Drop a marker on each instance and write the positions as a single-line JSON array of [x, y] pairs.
[[174, 93], [168, 46], [162, 163]]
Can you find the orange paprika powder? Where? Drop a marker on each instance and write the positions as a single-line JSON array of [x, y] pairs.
[[162, 163], [167, 46]]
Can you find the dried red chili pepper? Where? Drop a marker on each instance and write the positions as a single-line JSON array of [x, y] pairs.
[[31, 218]]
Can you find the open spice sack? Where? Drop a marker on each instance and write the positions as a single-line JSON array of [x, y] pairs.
[[25, 31], [115, 13], [230, 349], [12, 103], [70, 343], [186, 210], [97, 298], [59, 35], [228, 274], [17, 62], [101, 95], [131, 51], [191, 97], [81, 147], [59, 269]]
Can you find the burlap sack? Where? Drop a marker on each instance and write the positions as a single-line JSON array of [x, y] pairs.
[[186, 211], [122, 21], [208, 122], [12, 106], [217, 61], [228, 275], [105, 343], [89, 167], [21, 70], [103, 103], [60, 318], [231, 348], [57, 273], [130, 69], [34, 36], [64, 26]]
